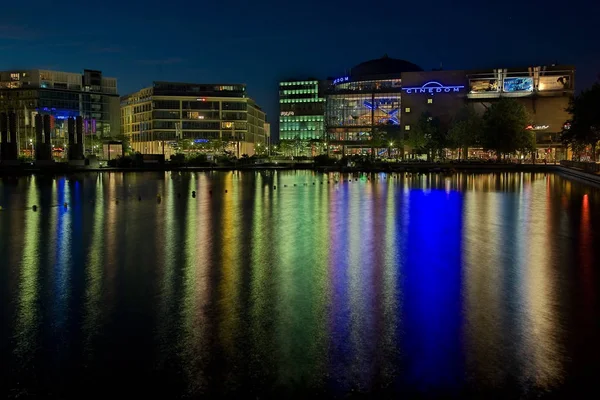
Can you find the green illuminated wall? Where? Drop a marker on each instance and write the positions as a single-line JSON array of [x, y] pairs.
[[301, 108]]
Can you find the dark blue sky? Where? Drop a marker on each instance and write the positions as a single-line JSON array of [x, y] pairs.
[[261, 42]]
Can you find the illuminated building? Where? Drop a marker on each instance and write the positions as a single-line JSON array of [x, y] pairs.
[[544, 91], [157, 117], [301, 109], [60, 95], [364, 106], [380, 100]]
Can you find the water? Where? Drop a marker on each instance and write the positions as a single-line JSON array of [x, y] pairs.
[[425, 285]]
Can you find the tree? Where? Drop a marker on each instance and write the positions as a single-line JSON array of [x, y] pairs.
[[427, 136], [583, 129], [465, 130], [504, 126], [286, 147]]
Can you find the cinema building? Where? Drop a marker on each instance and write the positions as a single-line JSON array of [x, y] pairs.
[[381, 100]]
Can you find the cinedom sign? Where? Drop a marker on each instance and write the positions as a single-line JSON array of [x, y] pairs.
[[433, 87], [340, 80]]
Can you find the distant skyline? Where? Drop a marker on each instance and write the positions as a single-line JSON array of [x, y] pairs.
[[260, 43]]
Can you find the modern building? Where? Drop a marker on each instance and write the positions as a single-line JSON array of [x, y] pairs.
[[60, 95], [157, 117], [380, 101], [301, 110], [363, 108], [543, 90]]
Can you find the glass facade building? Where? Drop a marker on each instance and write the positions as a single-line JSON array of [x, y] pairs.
[[363, 109], [61, 95], [301, 107]]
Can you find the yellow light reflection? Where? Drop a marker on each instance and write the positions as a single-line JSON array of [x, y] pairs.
[[27, 322]]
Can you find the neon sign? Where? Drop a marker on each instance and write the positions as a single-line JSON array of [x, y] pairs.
[[287, 113], [340, 80], [537, 127], [432, 87]]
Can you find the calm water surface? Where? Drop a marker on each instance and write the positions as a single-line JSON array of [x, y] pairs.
[[475, 284]]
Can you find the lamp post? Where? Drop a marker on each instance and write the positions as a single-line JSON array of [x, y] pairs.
[[31, 144]]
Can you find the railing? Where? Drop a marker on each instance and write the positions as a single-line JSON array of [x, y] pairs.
[[590, 167]]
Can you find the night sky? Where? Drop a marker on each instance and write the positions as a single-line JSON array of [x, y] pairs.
[[261, 42]]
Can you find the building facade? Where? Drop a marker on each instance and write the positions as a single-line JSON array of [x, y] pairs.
[[380, 101], [156, 118], [544, 91], [301, 110], [60, 95], [363, 108]]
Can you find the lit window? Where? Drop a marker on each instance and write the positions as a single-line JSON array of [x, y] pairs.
[[407, 127], [429, 101], [407, 109]]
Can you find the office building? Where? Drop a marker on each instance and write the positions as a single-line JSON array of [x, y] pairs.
[[60, 95], [156, 118], [301, 110]]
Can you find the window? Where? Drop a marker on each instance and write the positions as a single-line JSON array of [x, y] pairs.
[[430, 101], [407, 127], [407, 109]]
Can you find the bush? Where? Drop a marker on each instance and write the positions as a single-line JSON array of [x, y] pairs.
[[197, 159], [178, 158]]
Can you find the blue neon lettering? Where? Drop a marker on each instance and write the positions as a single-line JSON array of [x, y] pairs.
[[340, 80], [433, 87]]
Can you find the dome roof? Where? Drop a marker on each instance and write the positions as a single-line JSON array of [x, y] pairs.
[[384, 66]]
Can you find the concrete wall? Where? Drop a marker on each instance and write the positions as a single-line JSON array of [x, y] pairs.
[[444, 105]]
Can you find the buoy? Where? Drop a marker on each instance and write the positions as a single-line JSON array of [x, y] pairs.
[[34, 207]]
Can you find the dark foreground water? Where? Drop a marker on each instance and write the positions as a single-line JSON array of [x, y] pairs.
[[426, 285]]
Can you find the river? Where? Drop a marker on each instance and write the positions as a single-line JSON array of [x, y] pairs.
[[300, 284]]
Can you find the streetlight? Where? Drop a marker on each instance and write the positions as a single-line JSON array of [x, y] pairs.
[[31, 144]]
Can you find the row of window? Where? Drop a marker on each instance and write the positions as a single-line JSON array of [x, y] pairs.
[[295, 83], [296, 91], [293, 118], [303, 100]]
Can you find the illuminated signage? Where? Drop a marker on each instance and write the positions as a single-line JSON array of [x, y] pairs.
[[287, 113], [340, 80], [537, 127], [518, 84], [433, 87]]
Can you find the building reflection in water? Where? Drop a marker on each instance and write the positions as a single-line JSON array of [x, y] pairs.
[[411, 283]]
